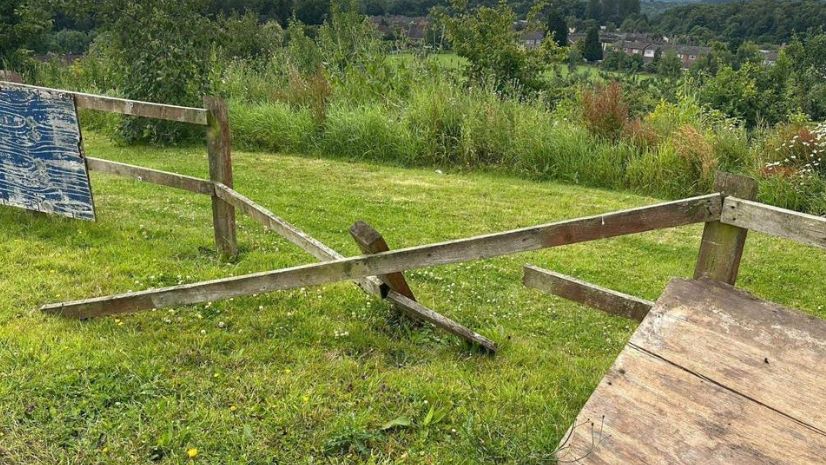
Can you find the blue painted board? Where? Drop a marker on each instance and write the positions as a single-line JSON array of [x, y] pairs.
[[42, 167]]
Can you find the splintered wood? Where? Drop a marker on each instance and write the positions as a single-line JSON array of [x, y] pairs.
[[712, 376]]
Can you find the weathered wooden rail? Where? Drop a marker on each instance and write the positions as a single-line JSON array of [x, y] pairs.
[[721, 248], [128, 107], [682, 212]]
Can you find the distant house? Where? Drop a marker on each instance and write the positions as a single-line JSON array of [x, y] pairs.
[[413, 28], [532, 39], [769, 56], [688, 54]]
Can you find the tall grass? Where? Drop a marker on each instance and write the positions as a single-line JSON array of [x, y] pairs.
[[419, 113]]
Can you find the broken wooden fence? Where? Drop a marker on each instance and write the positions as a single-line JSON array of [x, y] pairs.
[[225, 200], [721, 248], [678, 213], [728, 215]]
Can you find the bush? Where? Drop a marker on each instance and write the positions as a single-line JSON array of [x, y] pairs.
[[605, 110], [160, 61]]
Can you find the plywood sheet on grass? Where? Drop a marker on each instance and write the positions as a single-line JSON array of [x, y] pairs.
[[712, 376], [42, 167]]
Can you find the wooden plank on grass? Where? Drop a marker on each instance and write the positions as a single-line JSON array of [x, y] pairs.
[[712, 376], [322, 252], [419, 311], [681, 212], [220, 171], [772, 354], [722, 245], [163, 178], [648, 411], [607, 300], [800, 227], [136, 108]]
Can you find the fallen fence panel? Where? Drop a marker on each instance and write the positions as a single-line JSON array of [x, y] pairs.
[[370, 284], [163, 178], [671, 214], [607, 300], [800, 227]]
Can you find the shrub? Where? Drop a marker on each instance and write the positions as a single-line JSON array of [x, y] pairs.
[[802, 149], [487, 38], [487, 129], [605, 110], [697, 155], [640, 134], [160, 61], [310, 91]]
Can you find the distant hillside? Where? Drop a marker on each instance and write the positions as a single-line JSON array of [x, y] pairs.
[[762, 21]]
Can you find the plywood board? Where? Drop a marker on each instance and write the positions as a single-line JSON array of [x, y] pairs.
[[42, 167], [712, 376]]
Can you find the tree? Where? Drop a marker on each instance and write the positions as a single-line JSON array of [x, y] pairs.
[[22, 26], [610, 11], [558, 28], [670, 65], [592, 48], [629, 8], [594, 10], [487, 38]]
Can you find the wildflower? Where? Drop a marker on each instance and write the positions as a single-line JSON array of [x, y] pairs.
[[232, 408], [192, 452]]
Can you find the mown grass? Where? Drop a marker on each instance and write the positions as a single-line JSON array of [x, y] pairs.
[[312, 375]]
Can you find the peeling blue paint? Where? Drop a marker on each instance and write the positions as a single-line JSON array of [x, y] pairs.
[[42, 167]]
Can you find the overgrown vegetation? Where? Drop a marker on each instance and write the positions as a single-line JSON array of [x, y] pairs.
[[335, 90]]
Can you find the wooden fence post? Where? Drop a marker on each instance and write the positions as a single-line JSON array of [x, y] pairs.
[[722, 245], [220, 170]]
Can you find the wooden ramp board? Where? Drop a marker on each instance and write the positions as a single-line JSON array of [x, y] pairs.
[[41, 164], [712, 376]]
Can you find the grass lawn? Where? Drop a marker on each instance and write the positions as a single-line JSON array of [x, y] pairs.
[[321, 375]]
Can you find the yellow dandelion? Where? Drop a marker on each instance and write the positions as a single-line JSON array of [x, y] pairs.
[[232, 408], [192, 452], [305, 399]]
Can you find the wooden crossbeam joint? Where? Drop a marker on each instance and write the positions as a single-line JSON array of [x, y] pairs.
[[722, 245], [371, 242]]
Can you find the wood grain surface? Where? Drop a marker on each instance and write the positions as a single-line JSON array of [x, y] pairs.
[[42, 167]]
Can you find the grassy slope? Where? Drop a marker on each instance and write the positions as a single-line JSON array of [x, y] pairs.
[[271, 378]]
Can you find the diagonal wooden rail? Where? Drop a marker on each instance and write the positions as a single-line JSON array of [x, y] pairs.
[[370, 284], [670, 214]]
